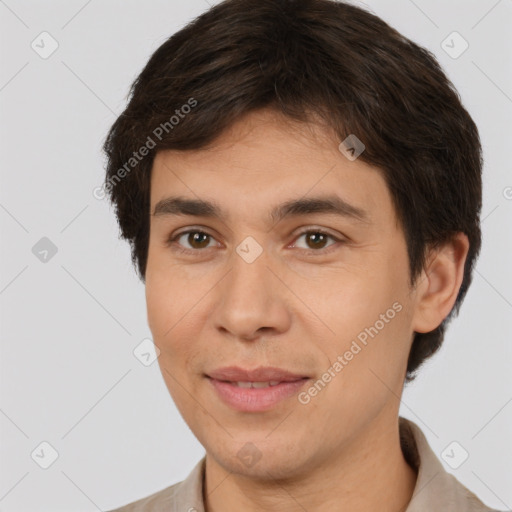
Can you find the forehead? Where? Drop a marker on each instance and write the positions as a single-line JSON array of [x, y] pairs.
[[263, 162]]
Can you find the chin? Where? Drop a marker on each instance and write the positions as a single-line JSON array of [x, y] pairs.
[[265, 461]]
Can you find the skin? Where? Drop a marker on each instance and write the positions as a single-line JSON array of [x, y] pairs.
[[291, 309]]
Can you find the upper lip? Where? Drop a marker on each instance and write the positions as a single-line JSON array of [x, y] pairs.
[[261, 374]]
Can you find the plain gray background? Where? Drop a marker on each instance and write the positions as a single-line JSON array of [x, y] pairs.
[[70, 324]]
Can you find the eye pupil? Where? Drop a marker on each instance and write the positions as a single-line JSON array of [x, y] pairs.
[[316, 237], [196, 236]]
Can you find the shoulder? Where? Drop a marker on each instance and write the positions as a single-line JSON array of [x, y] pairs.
[[435, 489], [160, 500], [184, 496]]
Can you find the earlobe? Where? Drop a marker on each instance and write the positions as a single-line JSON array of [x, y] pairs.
[[439, 284]]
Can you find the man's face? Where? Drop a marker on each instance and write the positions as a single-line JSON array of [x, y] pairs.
[[304, 303]]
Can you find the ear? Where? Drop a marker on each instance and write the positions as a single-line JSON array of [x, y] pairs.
[[438, 285]]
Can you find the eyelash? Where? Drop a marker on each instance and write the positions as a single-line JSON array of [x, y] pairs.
[[172, 240]]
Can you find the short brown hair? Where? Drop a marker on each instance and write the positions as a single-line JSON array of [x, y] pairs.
[[310, 58]]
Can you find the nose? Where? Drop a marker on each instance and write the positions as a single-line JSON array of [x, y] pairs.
[[251, 301]]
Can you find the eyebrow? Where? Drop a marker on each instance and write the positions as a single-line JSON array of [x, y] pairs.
[[332, 204]]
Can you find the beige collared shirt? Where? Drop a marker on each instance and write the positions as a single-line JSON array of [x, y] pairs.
[[436, 490]]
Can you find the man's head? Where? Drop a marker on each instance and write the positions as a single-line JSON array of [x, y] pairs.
[[320, 293], [245, 108]]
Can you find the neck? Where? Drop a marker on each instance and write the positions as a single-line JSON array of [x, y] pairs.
[[370, 473]]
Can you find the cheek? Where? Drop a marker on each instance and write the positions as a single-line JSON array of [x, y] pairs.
[[372, 358], [170, 296], [368, 318], [159, 310], [173, 309], [163, 321], [173, 334], [173, 290]]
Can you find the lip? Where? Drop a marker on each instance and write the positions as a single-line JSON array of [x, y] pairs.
[[224, 381], [261, 374]]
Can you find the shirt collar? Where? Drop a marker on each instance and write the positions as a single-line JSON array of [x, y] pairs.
[[435, 488]]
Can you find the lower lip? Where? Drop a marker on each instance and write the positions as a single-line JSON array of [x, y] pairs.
[[255, 399]]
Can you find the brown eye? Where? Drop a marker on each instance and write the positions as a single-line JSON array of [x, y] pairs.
[[195, 239], [317, 240]]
